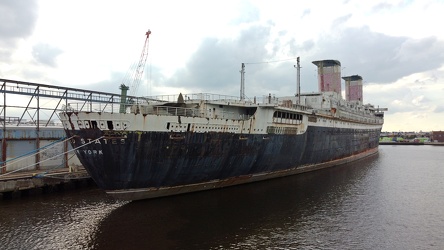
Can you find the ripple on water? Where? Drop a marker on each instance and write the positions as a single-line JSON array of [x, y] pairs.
[[392, 201], [54, 221]]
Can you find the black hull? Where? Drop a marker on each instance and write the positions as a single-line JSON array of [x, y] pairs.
[[154, 161], [146, 193]]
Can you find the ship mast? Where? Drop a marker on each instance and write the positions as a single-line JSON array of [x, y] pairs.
[[298, 80], [242, 87]]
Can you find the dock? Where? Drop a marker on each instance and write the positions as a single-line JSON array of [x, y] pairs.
[[23, 183], [411, 143], [35, 153]]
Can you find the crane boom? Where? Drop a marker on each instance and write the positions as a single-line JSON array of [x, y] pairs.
[[140, 66], [134, 76]]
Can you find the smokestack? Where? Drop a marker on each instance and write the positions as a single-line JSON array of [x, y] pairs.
[[329, 75], [353, 88]]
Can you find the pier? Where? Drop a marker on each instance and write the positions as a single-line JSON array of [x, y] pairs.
[[26, 182], [35, 154]]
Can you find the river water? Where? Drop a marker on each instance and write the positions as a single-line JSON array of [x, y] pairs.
[[394, 200]]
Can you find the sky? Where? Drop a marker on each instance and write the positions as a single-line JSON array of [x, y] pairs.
[[197, 46]]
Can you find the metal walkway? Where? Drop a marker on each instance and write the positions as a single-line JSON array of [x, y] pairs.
[[25, 104]]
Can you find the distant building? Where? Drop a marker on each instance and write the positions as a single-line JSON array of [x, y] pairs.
[[437, 136]]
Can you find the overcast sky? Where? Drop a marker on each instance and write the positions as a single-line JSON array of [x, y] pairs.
[[198, 46]]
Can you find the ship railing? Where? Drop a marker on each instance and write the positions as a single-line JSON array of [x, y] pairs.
[[156, 110], [355, 113], [92, 107], [353, 116], [266, 99], [216, 97], [361, 119], [190, 112], [175, 111], [193, 98], [281, 102]]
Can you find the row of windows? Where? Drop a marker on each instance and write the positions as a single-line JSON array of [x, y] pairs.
[[200, 128], [282, 130], [287, 115], [105, 125], [287, 118], [314, 119], [355, 132]]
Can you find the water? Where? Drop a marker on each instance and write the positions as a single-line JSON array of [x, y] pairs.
[[391, 201]]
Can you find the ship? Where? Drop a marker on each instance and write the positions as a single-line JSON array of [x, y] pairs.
[[168, 145]]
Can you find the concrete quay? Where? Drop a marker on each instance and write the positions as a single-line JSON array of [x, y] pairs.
[[24, 183], [411, 143]]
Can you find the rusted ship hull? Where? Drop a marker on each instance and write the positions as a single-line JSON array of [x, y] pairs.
[[138, 165], [148, 193], [166, 145]]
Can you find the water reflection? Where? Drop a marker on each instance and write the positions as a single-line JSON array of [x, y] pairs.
[[55, 221], [244, 217], [390, 201]]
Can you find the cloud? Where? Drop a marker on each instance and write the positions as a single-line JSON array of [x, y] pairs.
[[216, 63], [305, 13], [381, 58], [248, 13], [377, 57], [341, 20], [17, 20], [46, 54], [152, 79], [384, 6], [439, 109]]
